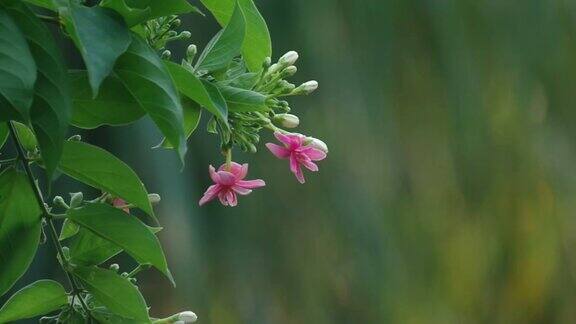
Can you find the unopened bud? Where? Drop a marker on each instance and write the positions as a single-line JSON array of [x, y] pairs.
[[267, 63], [318, 144], [176, 22], [154, 198], [76, 199], [59, 201], [191, 52], [289, 71], [114, 267], [166, 54], [307, 88], [274, 68], [287, 120], [187, 317], [185, 34], [288, 59], [172, 33]]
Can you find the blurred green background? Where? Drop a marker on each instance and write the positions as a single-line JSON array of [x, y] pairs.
[[448, 195]]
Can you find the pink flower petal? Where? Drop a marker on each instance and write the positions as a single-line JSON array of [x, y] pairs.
[[310, 165], [210, 194], [241, 190], [300, 175], [294, 165], [213, 174], [286, 139], [226, 178], [251, 184], [222, 198], [231, 198], [314, 154], [279, 151]]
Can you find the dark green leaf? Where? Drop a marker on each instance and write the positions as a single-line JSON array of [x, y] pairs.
[[114, 106], [17, 70], [146, 77], [69, 229], [20, 227], [242, 100], [39, 298], [164, 7], [117, 293], [192, 114], [132, 16], [226, 45], [4, 132], [257, 44], [51, 110], [47, 4], [202, 92], [125, 231], [100, 169], [101, 36]]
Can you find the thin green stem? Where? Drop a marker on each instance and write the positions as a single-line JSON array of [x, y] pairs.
[[47, 217]]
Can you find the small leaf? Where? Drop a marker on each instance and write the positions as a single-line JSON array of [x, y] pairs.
[[192, 114], [146, 77], [257, 44], [203, 92], [100, 169], [125, 231], [69, 229], [17, 71], [117, 293], [20, 227], [226, 45], [132, 16], [114, 106], [242, 100], [51, 110], [101, 36], [26, 137], [39, 298], [163, 8]]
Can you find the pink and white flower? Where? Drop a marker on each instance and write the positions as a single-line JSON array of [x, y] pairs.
[[228, 183], [300, 151]]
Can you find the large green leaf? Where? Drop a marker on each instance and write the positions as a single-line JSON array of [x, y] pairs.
[[132, 16], [146, 77], [100, 169], [242, 100], [17, 70], [89, 249], [47, 4], [202, 92], [114, 106], [39, 298], [257, 44], [125, 231], [164, 7], [102, 36], [117, 293], [20, 225], [51, 110], [226, 45]]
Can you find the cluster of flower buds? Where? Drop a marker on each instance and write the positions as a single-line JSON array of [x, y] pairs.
[[161, 31], [301, 151]]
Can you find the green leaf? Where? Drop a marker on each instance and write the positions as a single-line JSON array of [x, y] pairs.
[[226, 45], [17, 70], [20, 227], [90, 249], [242, 100], [69, 229], [102, 36], [46, 4], [202, 92], [146, 77], [51, 110], [39, 298], [257, 44], [164, 7], [4, 132], [125, 231], [132, 16], [192, 115], [26, 137], [117, 293], [114, 106], [100, 169]]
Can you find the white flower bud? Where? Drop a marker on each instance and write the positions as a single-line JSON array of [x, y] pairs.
[[187, 317], [288, 59], [154, 198], [318, 144], [287, 120], [76, 199], [307, 87], [191, 52], [289, 71], [185, 34]]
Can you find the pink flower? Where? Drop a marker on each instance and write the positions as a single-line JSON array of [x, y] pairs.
[[121, 204], [228, 183], [298, 151]]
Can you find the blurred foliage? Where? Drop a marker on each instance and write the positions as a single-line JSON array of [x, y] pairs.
[[448, 194]]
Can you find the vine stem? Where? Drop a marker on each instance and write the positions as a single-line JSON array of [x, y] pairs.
[[47, 217]]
